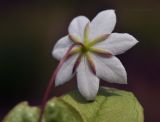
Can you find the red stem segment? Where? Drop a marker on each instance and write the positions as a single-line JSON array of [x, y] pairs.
[[52, 83]]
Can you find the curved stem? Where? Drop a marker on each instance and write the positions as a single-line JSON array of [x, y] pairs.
[[51, 83]]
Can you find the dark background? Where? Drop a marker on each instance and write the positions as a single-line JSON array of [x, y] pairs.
[[28, 31]]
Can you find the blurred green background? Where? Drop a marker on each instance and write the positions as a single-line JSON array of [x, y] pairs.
[[29, 29]]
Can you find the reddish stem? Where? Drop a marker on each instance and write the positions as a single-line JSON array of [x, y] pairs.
[[51, 83]]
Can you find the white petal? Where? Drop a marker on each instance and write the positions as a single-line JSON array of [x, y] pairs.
[[61, 47], [66, 71], [117, 43], [88, 83], [77, 26], [103, 23], [110, 69]]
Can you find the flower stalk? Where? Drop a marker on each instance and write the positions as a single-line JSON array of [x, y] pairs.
[[51, 83]]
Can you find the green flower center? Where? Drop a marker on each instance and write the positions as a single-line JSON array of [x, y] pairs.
[[86, 45], [84, 49]]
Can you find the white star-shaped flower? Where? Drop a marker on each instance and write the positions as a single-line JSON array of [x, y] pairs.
[[93, 55]]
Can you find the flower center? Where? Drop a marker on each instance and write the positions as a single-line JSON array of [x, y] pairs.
[[84, 49], [86, 45]]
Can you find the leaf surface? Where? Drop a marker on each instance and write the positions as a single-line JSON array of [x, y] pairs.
[[110, 105]]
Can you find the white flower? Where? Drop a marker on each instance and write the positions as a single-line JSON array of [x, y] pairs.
[[93, 57]]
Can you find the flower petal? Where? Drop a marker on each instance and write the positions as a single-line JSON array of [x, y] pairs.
[[61, 47], [103, 23], [88, 83], [77, 27], [66, 71], [117, 43], [110, 69]]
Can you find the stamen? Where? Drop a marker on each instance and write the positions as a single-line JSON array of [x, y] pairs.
[[99, 39], [51, 83], [86, 33], [74, 51], [91, 63], [75, 39], [101, 52], [77, 63]]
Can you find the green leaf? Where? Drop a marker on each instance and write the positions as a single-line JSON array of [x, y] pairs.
[[22, 113], [110, 105]]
